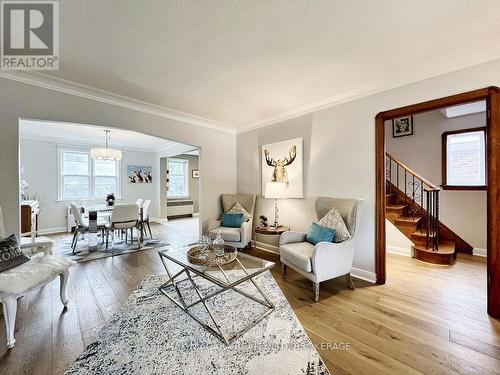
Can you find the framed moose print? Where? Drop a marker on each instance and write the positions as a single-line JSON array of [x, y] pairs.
[[402, 126], [284, 162]]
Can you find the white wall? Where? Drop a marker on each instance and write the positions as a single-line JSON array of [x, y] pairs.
[[464, 212], [19, 100], [339, 146], [40, 158]]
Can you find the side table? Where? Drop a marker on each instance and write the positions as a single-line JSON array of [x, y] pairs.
[[270, 231]]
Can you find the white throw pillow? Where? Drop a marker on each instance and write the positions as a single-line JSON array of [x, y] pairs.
[[239, 209], [333, 220]]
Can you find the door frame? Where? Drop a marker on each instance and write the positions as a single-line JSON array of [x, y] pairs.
[[492, 97]]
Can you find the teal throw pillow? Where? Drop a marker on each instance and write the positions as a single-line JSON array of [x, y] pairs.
[[318, 233], [232, 220]]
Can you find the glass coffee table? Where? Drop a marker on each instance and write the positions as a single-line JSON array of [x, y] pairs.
[[227, 277]]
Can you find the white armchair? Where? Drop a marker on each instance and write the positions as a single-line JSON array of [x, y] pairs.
[[238, 237], [325, 260], [15, 282]]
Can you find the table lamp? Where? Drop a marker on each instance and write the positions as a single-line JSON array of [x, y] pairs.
[[275, 190]]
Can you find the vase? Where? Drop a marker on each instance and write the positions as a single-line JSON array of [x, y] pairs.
[[218, 245]]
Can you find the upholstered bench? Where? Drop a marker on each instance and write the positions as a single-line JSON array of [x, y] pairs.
[[17, 281]]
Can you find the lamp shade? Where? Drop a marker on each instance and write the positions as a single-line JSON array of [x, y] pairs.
[[105, 154], [275, 190]]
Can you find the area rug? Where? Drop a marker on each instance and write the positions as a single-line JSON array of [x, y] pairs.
[[82, 253], [151, 335]]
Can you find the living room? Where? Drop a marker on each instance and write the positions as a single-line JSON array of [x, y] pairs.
[[287, 109]]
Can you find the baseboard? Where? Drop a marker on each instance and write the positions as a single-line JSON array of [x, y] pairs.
[[52, 230], [196, 214], [158, 220], [364, 275], [479, 252], [398, 250]]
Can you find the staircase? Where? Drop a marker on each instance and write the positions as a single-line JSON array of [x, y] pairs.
[[412, 205]]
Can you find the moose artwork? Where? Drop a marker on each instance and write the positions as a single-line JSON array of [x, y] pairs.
[[139, 174], [283, 162]]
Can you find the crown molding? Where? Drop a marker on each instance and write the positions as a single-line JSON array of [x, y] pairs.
[[88, 92], [85, 144]]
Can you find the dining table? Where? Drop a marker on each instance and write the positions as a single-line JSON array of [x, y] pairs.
[[94, 210]]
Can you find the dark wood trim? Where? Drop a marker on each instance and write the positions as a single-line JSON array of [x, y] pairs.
[[493, 178], [444, 169], [380, 201], [463, 187], [492, 97]]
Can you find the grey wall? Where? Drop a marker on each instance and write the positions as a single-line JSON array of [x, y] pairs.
[[464, 212], [40, 159], [18, 100], [339, 146]]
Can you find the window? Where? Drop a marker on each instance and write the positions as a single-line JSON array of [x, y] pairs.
[[84, 178], [178, 182], [464, 159]]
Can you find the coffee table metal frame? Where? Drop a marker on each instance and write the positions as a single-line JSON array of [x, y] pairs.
[[224, 287]]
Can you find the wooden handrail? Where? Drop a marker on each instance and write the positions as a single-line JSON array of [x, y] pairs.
[[431, 186]]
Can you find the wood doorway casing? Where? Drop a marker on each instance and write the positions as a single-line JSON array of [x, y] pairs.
[[492, 97]]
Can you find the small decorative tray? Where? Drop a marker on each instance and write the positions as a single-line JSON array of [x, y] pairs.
[[195, 255]]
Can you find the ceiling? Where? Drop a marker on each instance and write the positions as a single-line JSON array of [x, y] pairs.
[[464, 109], [91, 135], [245, 63]]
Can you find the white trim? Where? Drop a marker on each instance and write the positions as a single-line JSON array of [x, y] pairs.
[[88, 92], [398, 250], [196, 214], [364, 275], [479, 252], [158, 220]]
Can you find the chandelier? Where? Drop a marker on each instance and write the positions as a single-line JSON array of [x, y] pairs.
[[105, 153]]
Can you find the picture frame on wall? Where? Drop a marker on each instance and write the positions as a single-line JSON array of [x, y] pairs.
[[195, 173], [140, 174], [402, 126], [284, 162]]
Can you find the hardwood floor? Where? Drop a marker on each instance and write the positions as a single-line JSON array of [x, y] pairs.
[[426, 319]]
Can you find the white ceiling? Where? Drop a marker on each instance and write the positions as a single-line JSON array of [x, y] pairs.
[[91, 135], [244, 63], [464, 109]]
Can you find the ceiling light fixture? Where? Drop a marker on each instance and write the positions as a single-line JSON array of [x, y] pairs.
[[106, 153]]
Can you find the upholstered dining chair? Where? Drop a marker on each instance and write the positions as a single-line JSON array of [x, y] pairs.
[[15, 282], [145, 216], [238, 237], [124, 217], [82, 225], [325, 260]]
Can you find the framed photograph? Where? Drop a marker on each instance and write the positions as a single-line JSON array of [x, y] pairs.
[[195, 173], [140, 174], [284, 162], [402, 126]]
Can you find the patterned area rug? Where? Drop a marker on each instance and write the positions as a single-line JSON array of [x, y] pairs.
[[82, 253], [151, 335]]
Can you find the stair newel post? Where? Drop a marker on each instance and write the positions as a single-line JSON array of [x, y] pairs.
[[427, 195], [436, 233], [413, 195]]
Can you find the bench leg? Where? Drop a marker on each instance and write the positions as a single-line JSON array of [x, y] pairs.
[[316, 291], [9, 312], [283, 270], [63, 279]]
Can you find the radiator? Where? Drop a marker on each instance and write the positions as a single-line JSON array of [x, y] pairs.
[[180, 207]]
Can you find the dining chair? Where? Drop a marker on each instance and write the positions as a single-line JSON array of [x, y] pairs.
[[124, 217], [145, 216], [139, 202], [82, 225]]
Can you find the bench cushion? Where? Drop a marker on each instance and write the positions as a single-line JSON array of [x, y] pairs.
[[37, 272], [299, 254]]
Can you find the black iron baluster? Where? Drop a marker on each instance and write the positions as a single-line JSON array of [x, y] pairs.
[[406, 207], [437, 220], [427, 194], [413, 195], [397, 176]]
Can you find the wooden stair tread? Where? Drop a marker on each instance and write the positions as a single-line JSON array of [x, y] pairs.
[[422, 233], [445, 247], [395, 206], [408, 219]]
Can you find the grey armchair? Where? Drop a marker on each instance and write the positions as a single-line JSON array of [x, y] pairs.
[[238, 237], [325, 260]]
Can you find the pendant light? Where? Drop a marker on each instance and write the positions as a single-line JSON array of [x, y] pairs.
[[106, 153]]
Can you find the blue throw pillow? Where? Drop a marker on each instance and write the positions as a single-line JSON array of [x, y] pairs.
[[318, 233], [232, 220]]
